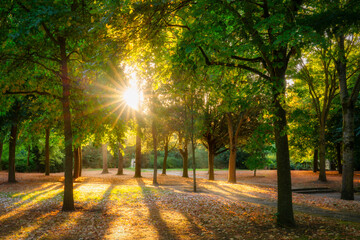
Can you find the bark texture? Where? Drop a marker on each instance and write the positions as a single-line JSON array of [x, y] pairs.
[[211, 157], [68, 203], [285, 215], [348, 109]]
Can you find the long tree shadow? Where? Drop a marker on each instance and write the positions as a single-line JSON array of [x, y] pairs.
[[231, 194], [199, 224], [164, 232], [96, 213], [33, 196], [14, 220]]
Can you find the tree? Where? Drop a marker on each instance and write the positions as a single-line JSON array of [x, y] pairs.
[[341, 26], [43, 31], [322, 91]]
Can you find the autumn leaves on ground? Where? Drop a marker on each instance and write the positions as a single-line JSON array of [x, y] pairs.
[[122, 207]]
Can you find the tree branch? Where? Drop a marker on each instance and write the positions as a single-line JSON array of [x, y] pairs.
[[44, 66], [253, 70], [258, 59], [31, 93]]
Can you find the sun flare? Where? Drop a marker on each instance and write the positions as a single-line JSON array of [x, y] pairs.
[[131, 97]]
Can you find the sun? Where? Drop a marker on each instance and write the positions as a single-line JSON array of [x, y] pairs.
[[132, 97]]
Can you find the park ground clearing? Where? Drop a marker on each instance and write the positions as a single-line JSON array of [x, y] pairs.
[[122, 207]]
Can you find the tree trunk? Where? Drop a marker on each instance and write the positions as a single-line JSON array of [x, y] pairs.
[[12, 149], [315, 160], [104, 158], [347, 188], [338, 156], [28, 157], [254, 172], [184, 155], [1, 150], [192, 143], [348, 135], [285, 215], [185, 164], [68, 203], [211, 157], [193, 161], [138, 152], [166, 153], [76, 163], [47, 151], [80, 161], [322, 149], [232, 164], [121, 160], [232, 148], [154, 135]]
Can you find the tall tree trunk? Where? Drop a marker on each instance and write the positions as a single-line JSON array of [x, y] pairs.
[[12, 149], [347, 189], [211, 157], [192, 143], [232, 148], [80, 161], [28, 156], [184, 155], [76, 163], [315, 160], [193, 161], [68, 203], [47, 151], [1, 150], [121, 160], [154, 135], [322, 149], [348, 109], [285, 210], [104, 158], [166, 153], [338, 156], [232, 164], [138, 152]]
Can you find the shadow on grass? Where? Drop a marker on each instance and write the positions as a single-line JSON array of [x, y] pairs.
[[19, 219], [164, 232], [100, 222]]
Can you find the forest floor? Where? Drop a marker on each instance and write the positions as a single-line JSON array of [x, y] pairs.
[[122, 207]]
